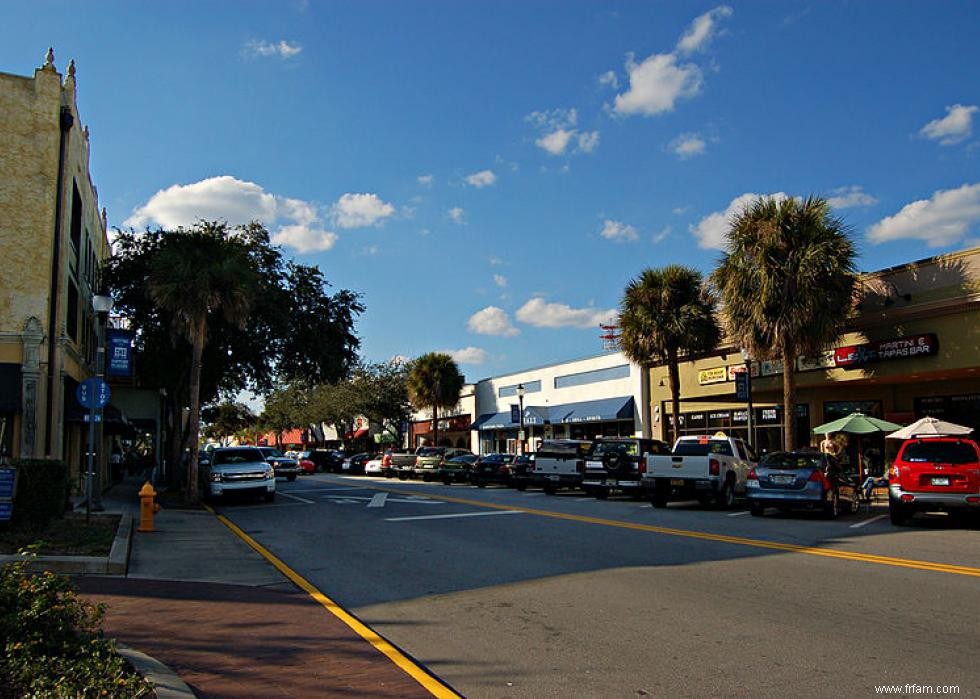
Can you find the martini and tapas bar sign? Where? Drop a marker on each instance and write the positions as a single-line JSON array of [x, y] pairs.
[[886, 350]]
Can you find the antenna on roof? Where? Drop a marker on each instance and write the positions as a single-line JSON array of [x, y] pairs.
[[609, 336]]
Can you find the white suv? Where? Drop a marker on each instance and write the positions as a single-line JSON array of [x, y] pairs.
[[239, 470]]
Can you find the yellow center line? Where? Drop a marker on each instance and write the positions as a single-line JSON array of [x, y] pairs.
[[723, 538], [432, 684]]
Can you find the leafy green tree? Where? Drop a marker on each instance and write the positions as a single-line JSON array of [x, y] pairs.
[[786, 283], [382, 395], [226, 420], [434, 381], [197, 274], [667, 315], [286, 409]]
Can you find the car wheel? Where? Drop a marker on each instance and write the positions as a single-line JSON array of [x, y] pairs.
[[726, 496], [659, 499], [550, 489], [704, 500], [601, 493], [291, 478], [897, 513], [757, 509], [831, 506], [270, 497], [521, 486], [480, 484]]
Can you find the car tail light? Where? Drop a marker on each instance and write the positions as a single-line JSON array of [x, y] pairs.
[[818, 477], [641, 465], [714, 467], [580, 466], [752, 475], [418, 460], [893, 473], [386, 460], [973, 498], [908, 498]]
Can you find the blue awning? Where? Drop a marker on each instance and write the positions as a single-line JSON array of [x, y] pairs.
[[602, 410], [493, 421]]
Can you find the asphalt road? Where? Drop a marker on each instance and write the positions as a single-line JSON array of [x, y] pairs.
[[510, 594]]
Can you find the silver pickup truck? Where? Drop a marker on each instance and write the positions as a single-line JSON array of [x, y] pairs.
[[710, 469]]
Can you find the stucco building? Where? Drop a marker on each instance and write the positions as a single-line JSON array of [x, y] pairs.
[[52, 241]]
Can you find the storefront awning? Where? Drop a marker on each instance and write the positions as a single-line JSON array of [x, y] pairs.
[[494, 421], [602, 410]]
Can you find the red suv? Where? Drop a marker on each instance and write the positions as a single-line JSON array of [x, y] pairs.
[[935, 473]]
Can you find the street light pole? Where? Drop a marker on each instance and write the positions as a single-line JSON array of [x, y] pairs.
[[748, 386], [520, 404], [102, 305]]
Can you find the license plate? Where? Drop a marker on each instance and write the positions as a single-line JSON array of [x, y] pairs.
[[782, 480], [940, 481], [677, 481]]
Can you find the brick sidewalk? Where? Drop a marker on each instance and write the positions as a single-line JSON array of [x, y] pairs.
[[239, 641]]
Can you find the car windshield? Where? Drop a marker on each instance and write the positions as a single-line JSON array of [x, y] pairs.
[[559, 450], [703, 447], [939, 452], [431, 451], [602, 448], [269, 451], [791, 461], [236, 456]]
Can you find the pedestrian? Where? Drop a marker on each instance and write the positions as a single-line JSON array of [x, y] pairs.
[[830, 446]]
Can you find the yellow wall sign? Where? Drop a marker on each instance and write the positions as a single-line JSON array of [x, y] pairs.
[[715, 375]]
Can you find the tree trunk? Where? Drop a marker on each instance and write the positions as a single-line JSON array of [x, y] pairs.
[[789, 397], [194, 420], [435, 425], [674, 379]]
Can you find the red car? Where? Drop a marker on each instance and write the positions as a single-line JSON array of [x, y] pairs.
[[935, 473], [306, 462]]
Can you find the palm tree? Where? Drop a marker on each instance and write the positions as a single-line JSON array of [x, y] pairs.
[[667, 314], [786, 284], [198, 273], [434, 382]]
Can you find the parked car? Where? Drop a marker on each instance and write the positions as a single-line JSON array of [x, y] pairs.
[[494, 468], [354, 465], [802, 480], [283, 465], [372, 467], [618, 463], [935, 473], [327, 459], [558, 463], [403, 463], [457, 469], [238, 470], [708, 468], [428, 460], [305, 461]]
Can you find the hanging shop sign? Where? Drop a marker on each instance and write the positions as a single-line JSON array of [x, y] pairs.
[[120, 352], [824, 360], [886, 350]]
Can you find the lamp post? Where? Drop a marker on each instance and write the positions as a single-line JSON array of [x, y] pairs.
[[748, 392], [93, 501], [520, 405]]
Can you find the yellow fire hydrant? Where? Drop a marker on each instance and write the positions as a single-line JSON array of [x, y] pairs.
[[147, 508]]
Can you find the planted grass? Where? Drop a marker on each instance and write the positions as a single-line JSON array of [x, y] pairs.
[[69, 536]]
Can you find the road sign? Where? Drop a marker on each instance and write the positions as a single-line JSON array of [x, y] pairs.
[[8, 486], [93, 392], [515, 414], [742, 386]]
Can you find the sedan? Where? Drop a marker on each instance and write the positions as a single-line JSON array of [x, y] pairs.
[[373, 466], [493, 468], [355, 464], [457, 469], [801, 480], [284, 466]]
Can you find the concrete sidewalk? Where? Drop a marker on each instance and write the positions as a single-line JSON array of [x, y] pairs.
[[201, 601]]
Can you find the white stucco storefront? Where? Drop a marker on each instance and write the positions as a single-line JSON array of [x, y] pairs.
[[599, 395]]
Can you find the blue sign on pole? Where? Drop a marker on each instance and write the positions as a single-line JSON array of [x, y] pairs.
[[120, 352], [8, 486], [515, 414], [93, 392], [742, 386]]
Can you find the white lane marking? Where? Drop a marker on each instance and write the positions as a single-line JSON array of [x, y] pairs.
[[868, 521], [461, 514], [322, 490], [739, 514], [412, 500], [294, 497], [378, 500]]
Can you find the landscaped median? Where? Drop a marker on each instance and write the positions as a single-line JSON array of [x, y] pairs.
[[74, 545]]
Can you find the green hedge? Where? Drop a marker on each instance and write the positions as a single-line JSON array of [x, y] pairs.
[[43, 486]]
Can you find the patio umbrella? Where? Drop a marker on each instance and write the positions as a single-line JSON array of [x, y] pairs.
[[929, 427], [857, 423]]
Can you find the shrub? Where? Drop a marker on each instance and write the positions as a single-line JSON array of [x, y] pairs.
[[42, 491], [52, 642]]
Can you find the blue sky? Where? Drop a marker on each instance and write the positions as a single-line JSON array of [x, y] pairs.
[[490, 175]]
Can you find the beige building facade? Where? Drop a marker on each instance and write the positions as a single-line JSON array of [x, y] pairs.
[[52, 242], [912, 349]]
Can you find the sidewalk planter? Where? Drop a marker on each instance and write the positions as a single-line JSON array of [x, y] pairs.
[[116, 563]]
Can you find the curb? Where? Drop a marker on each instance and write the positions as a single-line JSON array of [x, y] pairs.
[[116, 563], [166, 683]]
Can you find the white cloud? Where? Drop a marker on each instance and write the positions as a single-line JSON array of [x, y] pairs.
[[556, 141], [656, 84], [661, 235], [955, 127], [849, 197], [588, 141], [468, 355], [305, 239], [291, 222], [618, 231], [944, 219], [492, 321], [282, 49], [609, 79], [712, 229], [481, 179], [495, 261], [542, 314], [425, 180], [688, 145], [679, 210], [457, 215], [360, 211], [702, 30], [553, 119], [500, 280]]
